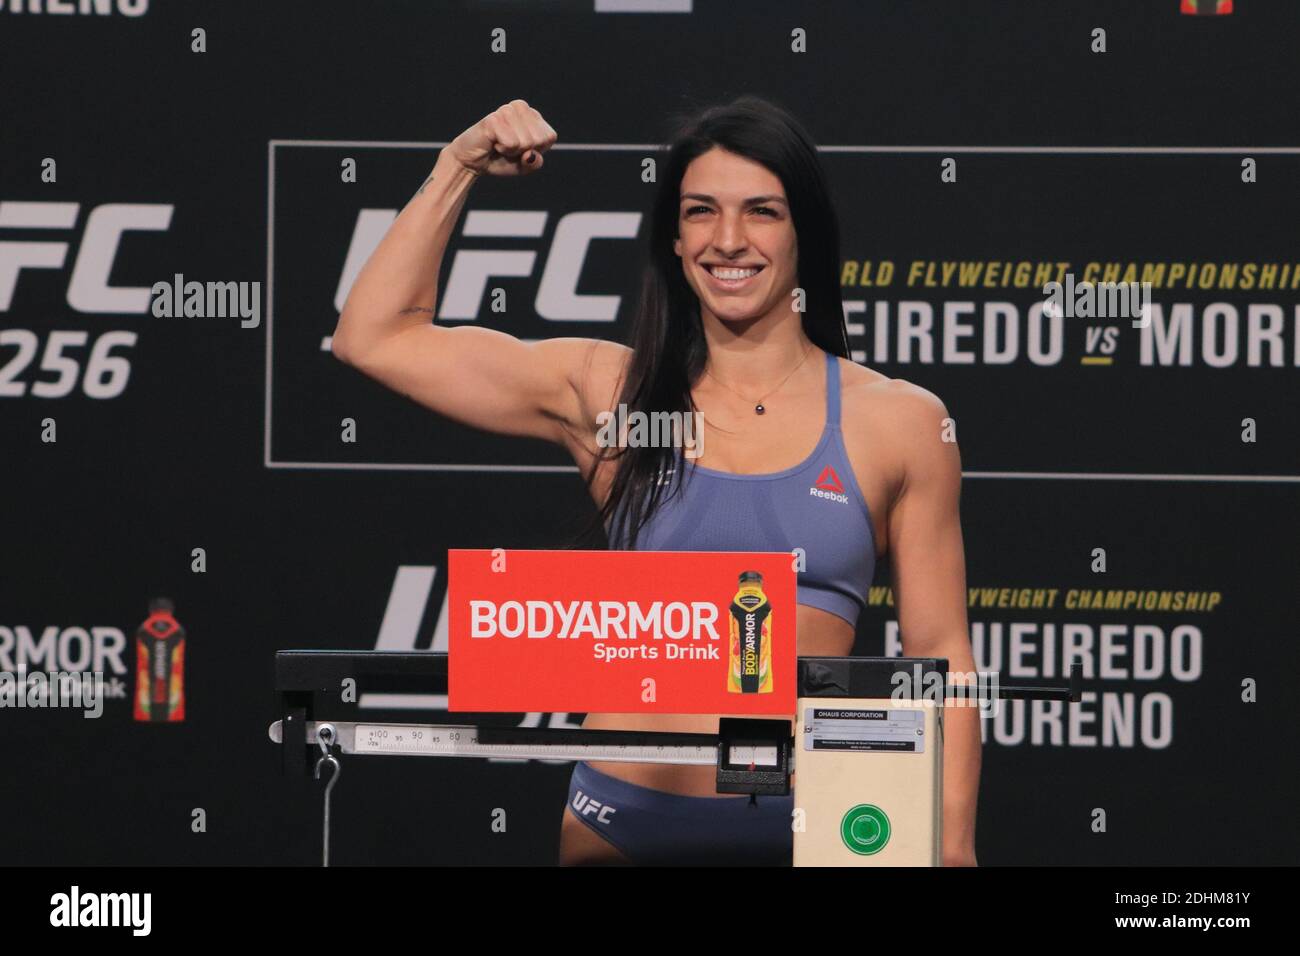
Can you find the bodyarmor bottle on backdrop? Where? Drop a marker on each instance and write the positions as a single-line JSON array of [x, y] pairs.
[[160, 665]]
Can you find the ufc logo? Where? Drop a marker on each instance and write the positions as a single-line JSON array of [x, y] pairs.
[[586, 806], [471, 269], [88, 289]]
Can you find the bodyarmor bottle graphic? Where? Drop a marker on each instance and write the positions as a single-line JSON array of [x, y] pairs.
[[749, 668], [160, 665]]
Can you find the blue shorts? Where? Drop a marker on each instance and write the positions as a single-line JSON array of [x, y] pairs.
[[656, 827]]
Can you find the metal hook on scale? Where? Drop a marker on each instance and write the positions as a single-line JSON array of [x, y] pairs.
[[326, 736]]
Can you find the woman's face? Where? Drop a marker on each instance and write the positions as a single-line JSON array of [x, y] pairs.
[[733, 215]]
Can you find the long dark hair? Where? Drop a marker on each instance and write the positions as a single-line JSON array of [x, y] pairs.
[[669, 350]]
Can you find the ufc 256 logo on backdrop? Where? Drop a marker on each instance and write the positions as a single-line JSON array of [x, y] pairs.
[[58, 363]]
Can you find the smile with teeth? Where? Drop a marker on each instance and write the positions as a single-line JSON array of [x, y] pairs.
[[730, 276]]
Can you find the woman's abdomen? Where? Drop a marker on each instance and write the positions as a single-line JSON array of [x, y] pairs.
[[696, 781], [821, 634]]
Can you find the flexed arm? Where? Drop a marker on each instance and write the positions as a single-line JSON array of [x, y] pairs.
[[477, 376]]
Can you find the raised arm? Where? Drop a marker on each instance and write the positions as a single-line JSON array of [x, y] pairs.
[[477, 376]]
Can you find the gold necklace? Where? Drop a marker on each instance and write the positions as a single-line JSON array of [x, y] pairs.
[[759, 407]]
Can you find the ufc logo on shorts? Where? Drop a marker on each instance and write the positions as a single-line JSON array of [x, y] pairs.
[[585, 806], [88, 288], [471, 269]]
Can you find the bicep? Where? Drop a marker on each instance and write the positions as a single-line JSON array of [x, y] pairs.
[[485, 378]]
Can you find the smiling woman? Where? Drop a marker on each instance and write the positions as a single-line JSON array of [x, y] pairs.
[[739, 321], [729, 276], [735, 279], [742, 287]]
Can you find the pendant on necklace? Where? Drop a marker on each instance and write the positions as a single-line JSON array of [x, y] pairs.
[[759, 409]]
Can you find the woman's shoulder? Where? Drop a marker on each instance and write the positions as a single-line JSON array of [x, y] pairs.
[[872, 395], [896, 424]]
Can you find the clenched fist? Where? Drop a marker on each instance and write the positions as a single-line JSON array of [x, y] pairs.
[[509, 141]]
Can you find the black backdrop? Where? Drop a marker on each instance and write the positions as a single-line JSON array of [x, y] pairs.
[[225, 166]]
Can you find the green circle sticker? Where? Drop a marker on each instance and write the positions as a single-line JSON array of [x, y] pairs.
[[865, 829]]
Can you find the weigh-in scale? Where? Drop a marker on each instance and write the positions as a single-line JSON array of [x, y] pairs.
[[867, 743]]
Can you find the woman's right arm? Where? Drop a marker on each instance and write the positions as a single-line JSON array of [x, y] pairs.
[[477, 376]]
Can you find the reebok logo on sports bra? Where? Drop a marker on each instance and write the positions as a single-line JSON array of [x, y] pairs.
[[828, 486]]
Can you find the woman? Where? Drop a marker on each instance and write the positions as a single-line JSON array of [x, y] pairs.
[[740, 317]]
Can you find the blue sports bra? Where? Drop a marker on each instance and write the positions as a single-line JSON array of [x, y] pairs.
[[816, 506]]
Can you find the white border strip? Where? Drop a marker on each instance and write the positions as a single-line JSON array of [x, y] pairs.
[[270, 297], [556, 469], [1120, 476], [398, 466], [883, 148], [652, 147]]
